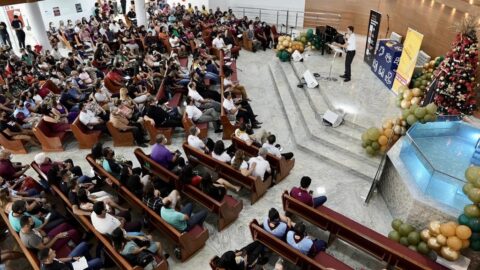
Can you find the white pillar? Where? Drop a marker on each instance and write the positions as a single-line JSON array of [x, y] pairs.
[[141, 12], [34, 16]]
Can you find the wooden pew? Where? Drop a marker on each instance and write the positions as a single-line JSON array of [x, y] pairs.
[[116, 257], [29, 254], [256, 186], [226, 210], [321, 261], [111, 87], [51, 141], [187, 243], [14, 146], [120, 138], [228, 127], [86, 138], [359, 236], [51, 86], [187, 124], [281, 165], [154, 131], [247, 43]]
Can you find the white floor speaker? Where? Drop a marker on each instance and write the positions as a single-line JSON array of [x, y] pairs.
[[332, 118], [310, 79]]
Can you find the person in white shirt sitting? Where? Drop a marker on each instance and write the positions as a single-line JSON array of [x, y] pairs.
[[240, 109], [219, 44], [275, 149], [200, 102], [220, 153], [249, 137], [262, 167], [90, 119], [197, 116], [105, 223], [194, 141]]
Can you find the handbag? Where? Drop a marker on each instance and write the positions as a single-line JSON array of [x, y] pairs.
[[144, 258]]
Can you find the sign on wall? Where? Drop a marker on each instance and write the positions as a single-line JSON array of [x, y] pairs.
[[372, 36], [78, 7], [411, 49], [56, 11]]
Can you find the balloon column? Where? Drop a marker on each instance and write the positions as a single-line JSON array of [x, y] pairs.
[[447, 239], [406, 235], [376, 140], [286, 46], [471, 212]]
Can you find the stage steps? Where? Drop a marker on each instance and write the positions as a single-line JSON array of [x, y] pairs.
[[309, 134]]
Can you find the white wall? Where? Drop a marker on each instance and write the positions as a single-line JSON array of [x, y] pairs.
[[67, 10]]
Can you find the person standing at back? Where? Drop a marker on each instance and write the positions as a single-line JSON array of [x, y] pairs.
[[17, 25], [4, 36], [350, 46]]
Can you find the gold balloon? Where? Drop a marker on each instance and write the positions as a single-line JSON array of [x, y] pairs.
[[449, 254]]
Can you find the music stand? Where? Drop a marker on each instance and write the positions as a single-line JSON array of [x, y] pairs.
[[337, 50]]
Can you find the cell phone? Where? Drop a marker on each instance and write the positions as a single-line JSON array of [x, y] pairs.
[[94, 181], [48, 216]]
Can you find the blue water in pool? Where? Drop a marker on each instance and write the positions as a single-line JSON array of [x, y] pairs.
[[437, 155]]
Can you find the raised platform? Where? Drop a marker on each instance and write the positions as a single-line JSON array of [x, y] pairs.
[[304, 108]]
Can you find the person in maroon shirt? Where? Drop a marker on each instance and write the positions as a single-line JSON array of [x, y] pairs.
[[304, 195], [9, 170]]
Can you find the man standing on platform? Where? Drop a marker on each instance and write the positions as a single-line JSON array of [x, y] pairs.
[[350, 46]]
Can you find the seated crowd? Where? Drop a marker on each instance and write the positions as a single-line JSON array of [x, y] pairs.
[[113, 73]]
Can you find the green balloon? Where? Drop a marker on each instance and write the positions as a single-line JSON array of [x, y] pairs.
[[405, 113], [364, 144], [472, 173], [394, 235], [423, 248], [476, 183], [432, 108], [420, 112], [396, 224], [375, 146], [474, 195], [472, 211], [474, 224], [365, 137], [413, 238], [429, 118], [404, 241], [411, 119], [475, 245], [463, 220], [475, 236], [405, 229], [370, 150], [467, 187], [373, 134]]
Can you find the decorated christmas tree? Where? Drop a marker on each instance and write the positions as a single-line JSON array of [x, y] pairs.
[[455, 90]]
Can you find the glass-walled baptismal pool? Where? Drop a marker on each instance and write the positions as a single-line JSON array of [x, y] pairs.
[[436, 155]]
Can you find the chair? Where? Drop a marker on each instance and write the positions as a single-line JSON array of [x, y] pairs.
[[154, 131], [14, 146], [52, 141], [86, 138], [120, 138]]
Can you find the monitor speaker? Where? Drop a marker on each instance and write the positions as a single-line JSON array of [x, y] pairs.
[[310, 79], [332, 118]]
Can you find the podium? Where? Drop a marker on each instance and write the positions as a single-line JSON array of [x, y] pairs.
[[337, 50], [387, 58]]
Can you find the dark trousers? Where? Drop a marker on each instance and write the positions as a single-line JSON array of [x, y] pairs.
[[6, 40], [319, 201], [196, 218], [123, 3], [348, 64], [21, 38], [247, 113], [138, 133]]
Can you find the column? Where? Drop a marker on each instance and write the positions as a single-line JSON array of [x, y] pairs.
[[34, 16], [141, 12]]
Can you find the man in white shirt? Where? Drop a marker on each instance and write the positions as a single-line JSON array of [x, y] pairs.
[[105, 223], [200, 102], [194, 141], [274, 149], [350, 46], [218, 43], [242, 110], [89, 119], [262, 166], [197, 116]]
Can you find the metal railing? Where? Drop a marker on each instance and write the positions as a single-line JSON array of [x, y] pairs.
[[289, 18]]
